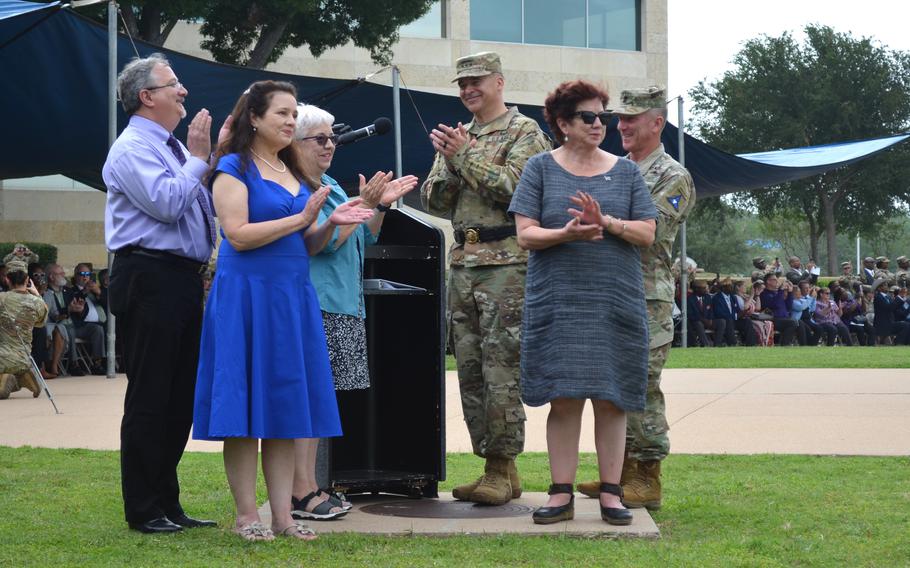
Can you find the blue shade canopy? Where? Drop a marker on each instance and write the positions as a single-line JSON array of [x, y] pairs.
[[55, 99]]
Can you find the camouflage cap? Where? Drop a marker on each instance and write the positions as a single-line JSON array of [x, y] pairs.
[[477, 65], [758, 260], [845, 264], [902, 258], [638, 101], [16, 264], [882, 259]]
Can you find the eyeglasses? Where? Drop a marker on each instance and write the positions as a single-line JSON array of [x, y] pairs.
[[588, 117], [85, 273], [322, 139], [175, 84]]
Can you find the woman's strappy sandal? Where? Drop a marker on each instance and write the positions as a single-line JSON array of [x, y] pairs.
[[550, 515], [614, 515], [299, 531], [255, 532]]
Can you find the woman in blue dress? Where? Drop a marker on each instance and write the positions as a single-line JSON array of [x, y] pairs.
[[263, 366]]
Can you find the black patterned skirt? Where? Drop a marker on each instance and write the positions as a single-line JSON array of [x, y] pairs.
[[346, 337]]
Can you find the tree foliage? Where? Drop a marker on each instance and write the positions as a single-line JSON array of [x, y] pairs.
[[255, 33], [832, 88]]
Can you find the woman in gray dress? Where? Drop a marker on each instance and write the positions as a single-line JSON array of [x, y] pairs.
[[584, 331]]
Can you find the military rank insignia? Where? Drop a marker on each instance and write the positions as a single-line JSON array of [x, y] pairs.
[[674, 201]]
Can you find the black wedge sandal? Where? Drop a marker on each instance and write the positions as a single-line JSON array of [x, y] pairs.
[[550, 515], [614, 515]]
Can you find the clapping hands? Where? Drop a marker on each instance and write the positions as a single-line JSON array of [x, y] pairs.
[[383, 190], [586, 223]]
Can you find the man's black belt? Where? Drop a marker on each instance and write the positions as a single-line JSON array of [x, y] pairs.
[[474, 235], [174, 259]]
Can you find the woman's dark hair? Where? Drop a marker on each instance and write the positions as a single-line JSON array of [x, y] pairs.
[[255, 101], [17, 278], [564, 100]]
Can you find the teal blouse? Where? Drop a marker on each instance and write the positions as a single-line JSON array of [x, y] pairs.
[[337, 272]]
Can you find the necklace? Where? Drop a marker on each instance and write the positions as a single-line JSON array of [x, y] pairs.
[[283, 169]]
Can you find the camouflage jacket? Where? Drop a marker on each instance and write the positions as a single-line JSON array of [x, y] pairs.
[[887, 275], [19, 313], [673, 193], [902, 278], [477, 194]]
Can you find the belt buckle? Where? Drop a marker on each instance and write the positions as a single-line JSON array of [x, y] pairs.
[[471, 236]]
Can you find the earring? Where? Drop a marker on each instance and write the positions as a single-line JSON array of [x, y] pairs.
[[255, 129], [567, 137]]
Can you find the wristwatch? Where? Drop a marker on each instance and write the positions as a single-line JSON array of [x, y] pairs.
[[383, 208]]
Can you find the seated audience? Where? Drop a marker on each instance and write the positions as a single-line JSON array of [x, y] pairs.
[[776, 299], [699, 313], [885, 325], [88, 315], [854, 317], [902, 312], [743, 321], [762, 323], [828, 318], [58, 319], [725, 314], [796, 273]]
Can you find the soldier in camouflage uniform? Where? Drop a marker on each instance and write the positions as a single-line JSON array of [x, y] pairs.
[[902, 276], [21, 309], [642, 115], [882, 264], [848, 279], [476, 169], [762, 269]]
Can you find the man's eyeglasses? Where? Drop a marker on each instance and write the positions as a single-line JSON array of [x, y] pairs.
[[588, 116], [322, 139], [85, 273], [174, 84]]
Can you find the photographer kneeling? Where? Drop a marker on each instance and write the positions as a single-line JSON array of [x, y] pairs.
[[21, 309]]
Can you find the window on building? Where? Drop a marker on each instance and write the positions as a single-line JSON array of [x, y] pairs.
[[430, 25], [496, 20], [602, 24]]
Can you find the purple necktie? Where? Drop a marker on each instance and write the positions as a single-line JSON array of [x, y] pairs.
[[201, 198]]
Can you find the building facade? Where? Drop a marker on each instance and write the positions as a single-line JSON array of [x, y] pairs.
[[620, 44]]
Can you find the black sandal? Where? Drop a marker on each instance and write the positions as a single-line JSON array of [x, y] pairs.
[[614, 515], [550, 515], [321, 512], [337, 499]]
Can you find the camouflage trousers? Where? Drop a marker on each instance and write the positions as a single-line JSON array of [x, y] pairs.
[[646, 431], [484, 312]]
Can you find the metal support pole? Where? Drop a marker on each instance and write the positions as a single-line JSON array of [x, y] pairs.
[[396, 118], [111, 137], [858, 259], [684, 266]]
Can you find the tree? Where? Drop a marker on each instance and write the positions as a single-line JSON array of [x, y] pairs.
[[833, 88], [255, 33]]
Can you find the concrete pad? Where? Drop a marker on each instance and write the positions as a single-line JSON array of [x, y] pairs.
[[587, 522], [706, 381]]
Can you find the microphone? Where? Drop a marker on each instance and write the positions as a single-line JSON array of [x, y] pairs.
[[380, 126]]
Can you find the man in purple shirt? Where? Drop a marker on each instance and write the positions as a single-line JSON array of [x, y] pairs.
[[779, 302], [159, 223]]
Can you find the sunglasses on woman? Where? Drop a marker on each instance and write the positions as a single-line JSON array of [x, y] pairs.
[[588, 116], [323, 139]]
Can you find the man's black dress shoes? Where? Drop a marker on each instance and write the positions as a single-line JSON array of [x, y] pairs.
[[156, 526], [190, 523]]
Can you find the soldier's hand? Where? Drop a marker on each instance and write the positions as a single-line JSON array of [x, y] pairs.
[[198, 138], [448, 141]]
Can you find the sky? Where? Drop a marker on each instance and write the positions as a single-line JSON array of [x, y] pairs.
[[704, 35]]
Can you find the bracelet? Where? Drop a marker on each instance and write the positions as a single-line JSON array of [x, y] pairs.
[[383, 208], [619, 234]]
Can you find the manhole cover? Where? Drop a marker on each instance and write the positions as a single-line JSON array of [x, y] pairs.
[[434, 509]]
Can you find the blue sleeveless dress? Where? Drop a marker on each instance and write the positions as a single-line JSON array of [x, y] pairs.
[[263, 363]]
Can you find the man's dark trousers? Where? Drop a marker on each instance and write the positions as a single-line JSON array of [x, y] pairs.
[[158, 305]]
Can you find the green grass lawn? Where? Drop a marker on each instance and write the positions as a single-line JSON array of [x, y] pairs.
[[62, 508], [781, 357]]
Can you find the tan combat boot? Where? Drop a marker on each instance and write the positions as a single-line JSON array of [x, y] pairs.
[[629, 470], [644, 489], [8, 385], [495, 487], [463, 492], [26, 380]]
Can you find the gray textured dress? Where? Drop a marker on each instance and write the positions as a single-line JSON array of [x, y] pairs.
[[584, 330]]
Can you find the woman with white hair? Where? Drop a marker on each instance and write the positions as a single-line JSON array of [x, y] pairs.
[[337, 274]]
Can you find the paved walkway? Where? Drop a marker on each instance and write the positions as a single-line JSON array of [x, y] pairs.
[[736, 411]]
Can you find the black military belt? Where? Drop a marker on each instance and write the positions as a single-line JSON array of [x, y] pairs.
[[176, 260], [474, 235]]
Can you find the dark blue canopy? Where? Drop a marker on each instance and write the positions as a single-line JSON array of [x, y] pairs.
[[55, 99]]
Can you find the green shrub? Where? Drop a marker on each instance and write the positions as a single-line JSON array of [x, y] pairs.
[[46, 253]]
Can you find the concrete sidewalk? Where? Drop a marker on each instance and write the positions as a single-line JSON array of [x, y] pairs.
[[736, 411]]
